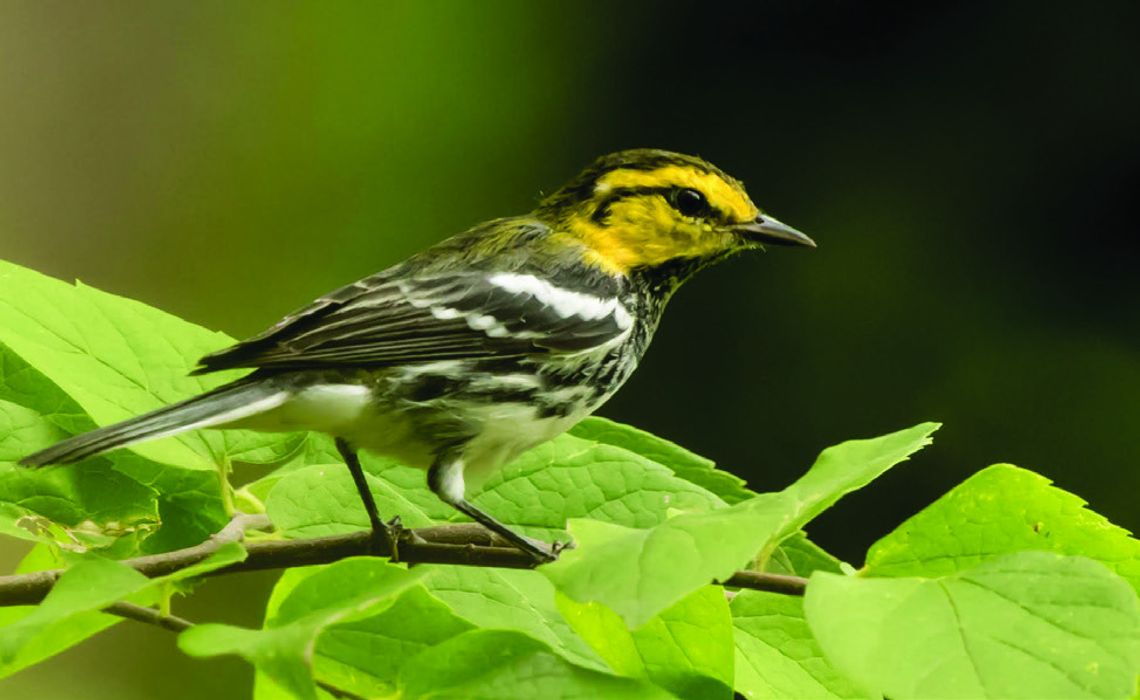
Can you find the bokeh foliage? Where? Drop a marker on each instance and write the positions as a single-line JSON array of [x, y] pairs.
[[964, 169]]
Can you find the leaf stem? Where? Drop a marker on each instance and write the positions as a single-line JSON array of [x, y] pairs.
[[227, 491], [150, 616]]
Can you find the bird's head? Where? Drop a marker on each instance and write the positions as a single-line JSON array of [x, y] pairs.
[[645, 209]]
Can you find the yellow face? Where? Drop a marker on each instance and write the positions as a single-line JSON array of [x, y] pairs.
[[642, 218], [643, 208]]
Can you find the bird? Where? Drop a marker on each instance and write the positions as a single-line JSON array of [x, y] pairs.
[[473, 351]]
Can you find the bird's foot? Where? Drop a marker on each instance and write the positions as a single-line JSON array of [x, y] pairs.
[[558, 547], [544, 552], [385, 540]]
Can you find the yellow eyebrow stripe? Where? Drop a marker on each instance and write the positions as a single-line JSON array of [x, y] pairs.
[[722, 195]]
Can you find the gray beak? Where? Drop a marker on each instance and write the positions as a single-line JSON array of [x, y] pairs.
[[765, 229]]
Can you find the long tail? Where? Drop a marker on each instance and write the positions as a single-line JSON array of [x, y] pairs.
[[225, 404]]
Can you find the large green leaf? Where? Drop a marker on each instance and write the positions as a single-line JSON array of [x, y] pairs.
[[365, 656], [117, 358], [799, 556], [522, 601], [80, 507], [1025, 625], [322, 499], [639, 573], [505, 665], [999, 510], [568, 477], [348, 590], [70, 612], [23, 385], [847, 467], [113, 502], [687, 649], [64, 618], [776, 655], [190, 507], [691, 467]]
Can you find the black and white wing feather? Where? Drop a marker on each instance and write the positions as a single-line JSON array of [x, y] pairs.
[[392, 320]]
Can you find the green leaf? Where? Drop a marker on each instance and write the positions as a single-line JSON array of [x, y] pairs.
[[639, 573], [564, 478], [691, 467], [42, 646], [91, 505], [22, 385], [117, 358], [606, 632], [850, 466], [522, 601], [317, 448], [70, 612], [22, 431], [999, 510], [1025, 625], [229, 553], [687, 649], [569, 477], [80, 508], [799, 556], [776, 655], [322, 499], [365, 656], [190, 508], [348, 590], [504, 665]]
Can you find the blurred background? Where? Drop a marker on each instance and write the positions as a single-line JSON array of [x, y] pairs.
[[969, 170]]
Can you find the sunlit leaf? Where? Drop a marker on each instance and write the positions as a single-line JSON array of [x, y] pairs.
[[348, 590], [687, 649], [1025, 625], [776, 655], [117, 358], [639, 573], [1000, 510]]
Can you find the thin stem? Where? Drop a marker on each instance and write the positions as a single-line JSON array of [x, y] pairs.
[[150, 616], [224, 468]]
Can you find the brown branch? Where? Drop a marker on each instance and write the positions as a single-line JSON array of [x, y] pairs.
[[466, 544], [150, 616], [763, 581]]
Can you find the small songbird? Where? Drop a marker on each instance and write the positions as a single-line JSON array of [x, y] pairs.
[[485, 345]]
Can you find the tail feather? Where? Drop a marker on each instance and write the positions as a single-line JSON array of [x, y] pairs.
[[223, 405]]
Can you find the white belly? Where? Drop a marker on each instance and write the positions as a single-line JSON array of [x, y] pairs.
[[508, 431], [504, 430]]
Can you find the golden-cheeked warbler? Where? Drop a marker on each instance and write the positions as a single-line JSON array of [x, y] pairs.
[[485, 345]]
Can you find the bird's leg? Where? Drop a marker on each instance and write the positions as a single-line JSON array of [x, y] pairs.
[[445, 478], [388, 533]]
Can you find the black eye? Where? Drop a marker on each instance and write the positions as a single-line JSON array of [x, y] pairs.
[[690, 202]]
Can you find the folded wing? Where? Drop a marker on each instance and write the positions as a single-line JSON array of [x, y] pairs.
[[381, 321]]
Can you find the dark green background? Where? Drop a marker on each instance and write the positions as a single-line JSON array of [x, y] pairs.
[[969, 172]]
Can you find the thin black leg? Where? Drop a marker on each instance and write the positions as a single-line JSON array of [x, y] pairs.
[[541, 551], [445, 478], [381, 532]]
